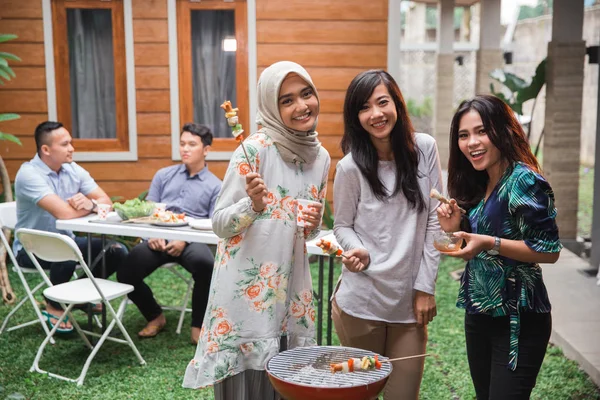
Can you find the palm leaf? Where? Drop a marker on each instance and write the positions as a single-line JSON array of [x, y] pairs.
[[10, 138], [5, 37], [9, 117], [534, 88], [9, 56]]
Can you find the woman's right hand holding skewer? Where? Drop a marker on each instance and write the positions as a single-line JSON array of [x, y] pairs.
[[257, 191], [356, 260], [449, 216]]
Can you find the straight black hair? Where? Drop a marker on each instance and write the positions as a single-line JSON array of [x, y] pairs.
[[43, 132], [465, 183], [199, 130], [357, 141]]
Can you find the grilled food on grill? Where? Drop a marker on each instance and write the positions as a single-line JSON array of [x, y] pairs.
[[356, 364]]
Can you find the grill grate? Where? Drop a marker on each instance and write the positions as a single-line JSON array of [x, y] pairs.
[[309, 366]]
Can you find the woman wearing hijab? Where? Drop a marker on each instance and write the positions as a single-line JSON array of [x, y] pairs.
[[261, 291]]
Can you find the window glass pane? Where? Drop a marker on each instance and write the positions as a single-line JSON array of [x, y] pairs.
[[213, 67], [91, 67]]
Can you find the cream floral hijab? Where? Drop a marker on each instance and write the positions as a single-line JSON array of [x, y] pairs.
[[293, 146]]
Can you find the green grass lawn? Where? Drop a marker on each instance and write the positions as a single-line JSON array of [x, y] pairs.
[[115, 374]]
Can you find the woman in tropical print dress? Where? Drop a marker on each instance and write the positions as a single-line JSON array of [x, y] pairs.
[[261, 290], [493, 174]]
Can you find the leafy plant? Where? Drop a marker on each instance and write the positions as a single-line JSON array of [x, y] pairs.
[[6, 74], [425, 109], [520, 91], [328, 215]]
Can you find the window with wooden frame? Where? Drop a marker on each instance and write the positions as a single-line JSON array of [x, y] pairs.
[[213, 65], [90, 72]]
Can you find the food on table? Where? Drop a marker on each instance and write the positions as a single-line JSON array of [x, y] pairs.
[[329, 248], [356, 364], [134, 208], [169, 217]]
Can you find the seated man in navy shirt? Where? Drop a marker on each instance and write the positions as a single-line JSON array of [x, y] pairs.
[[188, 188]]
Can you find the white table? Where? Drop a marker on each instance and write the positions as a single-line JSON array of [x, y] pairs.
[[113, 227]]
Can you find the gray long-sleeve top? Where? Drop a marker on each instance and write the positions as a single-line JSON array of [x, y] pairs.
[[398, 238]]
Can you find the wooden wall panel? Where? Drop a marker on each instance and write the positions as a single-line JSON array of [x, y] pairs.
[[323, 55], [24, 29], [150, 31], [360, 10], [152, 100], [31, 54], [153, 123], [154, 147], [333, 78], [24, 126], [330, 124], [16, 101], [332, 101], [340, 32], [27, 78], [26, 9], [152, 77], [151, 54], [149, 9], [332, 144], [12, 151]]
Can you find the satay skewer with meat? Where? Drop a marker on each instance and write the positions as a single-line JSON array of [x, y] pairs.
[[366, 363], [236, 127], [434, 194], [330, 248]]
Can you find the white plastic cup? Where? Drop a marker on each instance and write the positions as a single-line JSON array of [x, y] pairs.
[[103, 210], [303, 204], [160, 207]]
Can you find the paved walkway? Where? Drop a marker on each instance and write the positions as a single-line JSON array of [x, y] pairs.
[[575, 299]]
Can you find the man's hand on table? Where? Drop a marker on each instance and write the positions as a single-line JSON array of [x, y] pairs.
[[80, 202]]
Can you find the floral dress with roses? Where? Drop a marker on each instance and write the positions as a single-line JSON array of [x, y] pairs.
[[261, 287]]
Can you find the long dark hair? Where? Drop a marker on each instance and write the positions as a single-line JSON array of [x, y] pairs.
[[465, 183], [356, 139]]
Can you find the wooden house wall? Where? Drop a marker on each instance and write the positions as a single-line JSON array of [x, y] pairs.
[[333, 39]]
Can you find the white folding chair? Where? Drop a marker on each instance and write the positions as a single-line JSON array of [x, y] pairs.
[[55, 247], [183, 308], [8, 220]]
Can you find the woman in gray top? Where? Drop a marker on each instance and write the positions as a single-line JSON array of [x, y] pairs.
[[385, 221]]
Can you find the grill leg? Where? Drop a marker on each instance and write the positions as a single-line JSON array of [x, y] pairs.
[[330, 293], [320, 303]]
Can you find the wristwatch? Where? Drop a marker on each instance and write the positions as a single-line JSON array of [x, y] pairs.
[[94, 206], [494, 251]]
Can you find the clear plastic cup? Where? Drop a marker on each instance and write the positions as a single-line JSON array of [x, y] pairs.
[[303, 204], [103, 210]]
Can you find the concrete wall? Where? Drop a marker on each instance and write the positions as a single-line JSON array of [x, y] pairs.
[[530, 46]]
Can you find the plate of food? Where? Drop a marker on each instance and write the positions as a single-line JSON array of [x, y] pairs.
[[169, 218], [201, 224]]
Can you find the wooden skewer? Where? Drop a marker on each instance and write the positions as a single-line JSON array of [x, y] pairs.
[[405, 358], [434, 194]]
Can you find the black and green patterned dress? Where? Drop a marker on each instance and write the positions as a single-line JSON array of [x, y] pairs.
[[521, 207]]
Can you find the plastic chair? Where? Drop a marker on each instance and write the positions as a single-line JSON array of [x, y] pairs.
[[8, 220], [55, 247], [183, 308]]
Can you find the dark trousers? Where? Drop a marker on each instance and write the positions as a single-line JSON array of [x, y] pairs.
[[488, 342], [142, 261], [61, 272]]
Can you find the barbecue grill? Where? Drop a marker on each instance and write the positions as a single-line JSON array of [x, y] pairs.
[[303, 373]]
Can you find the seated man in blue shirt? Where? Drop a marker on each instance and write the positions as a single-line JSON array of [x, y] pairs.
[[188, 188], [50, 187]]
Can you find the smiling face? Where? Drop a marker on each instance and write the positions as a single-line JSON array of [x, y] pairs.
[[192, 150], [378, 115], [475, 144], [298, 104], [60, 148]]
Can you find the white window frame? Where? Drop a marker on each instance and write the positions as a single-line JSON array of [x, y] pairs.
[[132, 154], [174, 79]]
